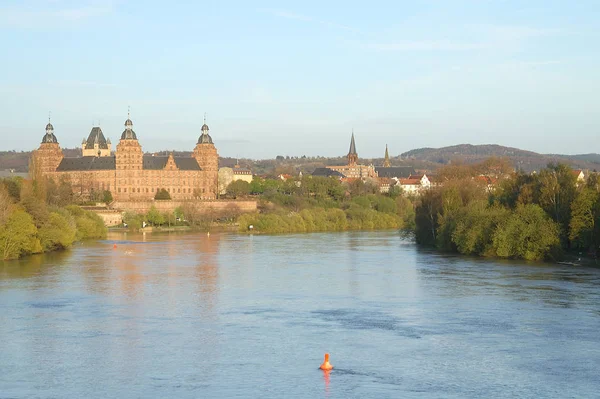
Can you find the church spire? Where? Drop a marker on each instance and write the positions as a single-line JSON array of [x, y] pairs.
[[352, 154], [386, 160]]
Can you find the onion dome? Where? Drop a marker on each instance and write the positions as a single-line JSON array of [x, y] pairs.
[[128, 133], [49, 137], [205, 137]]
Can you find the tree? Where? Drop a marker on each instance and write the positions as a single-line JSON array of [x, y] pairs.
[[59, 232], [238, 188], [257, 185], [585, 214], [154, 217], [426, 216], [527, 234], [557, 191], [132, 220], [107, 197], [168, 218], [19, 236], [6, 204], [163, 194], [14, 185], [178, 213]]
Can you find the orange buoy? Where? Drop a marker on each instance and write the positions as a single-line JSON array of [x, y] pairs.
[[114, 246], [326, 365]]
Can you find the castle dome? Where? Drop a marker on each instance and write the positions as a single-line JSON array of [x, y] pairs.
[[128, 133], [205, 137], [49, 137]]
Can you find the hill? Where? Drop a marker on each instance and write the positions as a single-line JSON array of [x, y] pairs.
[[521, 159]]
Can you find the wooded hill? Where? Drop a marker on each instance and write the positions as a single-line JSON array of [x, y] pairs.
[[524, 160]]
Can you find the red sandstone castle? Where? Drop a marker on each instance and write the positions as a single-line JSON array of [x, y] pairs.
[[129, 174]]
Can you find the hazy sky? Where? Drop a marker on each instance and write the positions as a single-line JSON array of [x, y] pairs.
[[295, 78]]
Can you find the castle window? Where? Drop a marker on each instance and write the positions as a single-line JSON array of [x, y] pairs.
[[146, 189], [178, 190], [119, 189], [138, 189], [124, 190], [169, 189]]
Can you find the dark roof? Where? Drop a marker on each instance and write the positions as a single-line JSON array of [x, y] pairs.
[[187, 163], [326, 172], [352, 145], [128, 134], [96, 136], [158, 163], [49, 126], [205, 138], [87, 163], [153, 162], [49, 138], [395, 171]]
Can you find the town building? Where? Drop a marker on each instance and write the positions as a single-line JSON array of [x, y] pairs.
[[128, 173], [353, 170], [228, 175]]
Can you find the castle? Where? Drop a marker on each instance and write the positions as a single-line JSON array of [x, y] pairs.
[[128, 173]]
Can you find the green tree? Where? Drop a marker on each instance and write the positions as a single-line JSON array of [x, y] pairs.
[[557, 192], [132, 220], [13, 186], [585, 214], [154, 217], [19, 236], [107, 197], [58, 233], [238, 188], [6, 204], [427, 212], [527, 234], [169, 218], [476, 226]]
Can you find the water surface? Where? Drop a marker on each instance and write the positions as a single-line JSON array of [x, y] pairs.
[[226, 315]]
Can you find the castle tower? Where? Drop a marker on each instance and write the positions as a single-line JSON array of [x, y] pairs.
[[129, 161], [48, 156], [386, 159], [206, 155], [352, 154], [96, 144]]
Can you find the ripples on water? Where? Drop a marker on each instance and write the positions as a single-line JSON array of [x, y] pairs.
[[188, 315]]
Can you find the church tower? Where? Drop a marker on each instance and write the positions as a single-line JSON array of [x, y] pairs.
[[206, 155], [129, 160], [386, 159], [49, 155], [352, 154]]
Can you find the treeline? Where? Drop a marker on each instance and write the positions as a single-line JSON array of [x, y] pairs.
[[321, 204], [32, 221], [525, 216]]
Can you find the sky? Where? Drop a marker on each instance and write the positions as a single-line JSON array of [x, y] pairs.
[[297, 77]]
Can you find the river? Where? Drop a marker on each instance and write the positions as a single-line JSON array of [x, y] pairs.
[[189, 315]]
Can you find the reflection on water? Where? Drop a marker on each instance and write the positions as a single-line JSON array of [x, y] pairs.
[[225, 315]]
